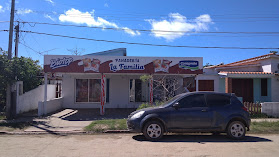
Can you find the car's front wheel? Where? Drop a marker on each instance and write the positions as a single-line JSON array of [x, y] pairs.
[[153, 130], [236, 130]]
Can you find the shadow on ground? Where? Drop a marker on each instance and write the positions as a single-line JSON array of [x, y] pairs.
[[202, 139], [94, 114]]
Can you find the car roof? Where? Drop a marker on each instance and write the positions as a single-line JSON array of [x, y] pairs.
[[206, 92]]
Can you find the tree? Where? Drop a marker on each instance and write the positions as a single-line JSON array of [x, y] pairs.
[[18, 69], [165, 86]]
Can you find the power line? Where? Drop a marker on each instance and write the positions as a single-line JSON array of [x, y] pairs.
[[189, 20], [145, 44], [146, 30], [31, 49]]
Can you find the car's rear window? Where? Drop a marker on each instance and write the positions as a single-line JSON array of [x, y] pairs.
[[217, 100]]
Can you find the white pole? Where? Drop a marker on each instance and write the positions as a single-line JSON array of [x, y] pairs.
[[45, 94]]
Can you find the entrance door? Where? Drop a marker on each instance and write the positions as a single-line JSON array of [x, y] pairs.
[[243, 88]]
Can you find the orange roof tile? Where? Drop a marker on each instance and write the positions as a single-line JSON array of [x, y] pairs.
[[244, 62], [246, 72]]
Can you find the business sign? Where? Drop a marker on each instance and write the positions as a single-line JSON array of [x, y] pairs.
[[188, 64], [126, 64], [122, 64]]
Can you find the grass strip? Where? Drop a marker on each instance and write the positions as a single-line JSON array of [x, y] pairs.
[[264, 127], [108, 124]]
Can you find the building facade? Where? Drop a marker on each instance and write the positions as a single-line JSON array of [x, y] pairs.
[[101, 81]]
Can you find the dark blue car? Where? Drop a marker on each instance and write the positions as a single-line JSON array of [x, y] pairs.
[[193, 112]]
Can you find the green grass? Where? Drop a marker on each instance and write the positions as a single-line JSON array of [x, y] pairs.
[[264, 128], [109, 124], [14, 126], [2, 117], [259, 115]]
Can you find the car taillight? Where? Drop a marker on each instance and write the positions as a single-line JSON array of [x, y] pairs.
[[245, 109]]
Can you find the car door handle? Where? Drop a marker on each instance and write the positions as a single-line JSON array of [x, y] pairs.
[[204, 110]]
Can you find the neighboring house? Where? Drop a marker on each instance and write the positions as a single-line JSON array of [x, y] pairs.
[[254, 79]]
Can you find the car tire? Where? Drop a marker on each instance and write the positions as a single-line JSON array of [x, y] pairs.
[[153, 130], [236, 130]]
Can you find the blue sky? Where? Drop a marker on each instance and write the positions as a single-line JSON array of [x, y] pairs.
[[175, 15]]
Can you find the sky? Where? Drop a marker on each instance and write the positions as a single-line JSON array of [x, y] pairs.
[[175, 22]]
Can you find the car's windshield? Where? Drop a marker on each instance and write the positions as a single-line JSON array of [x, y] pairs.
[[171, 101]]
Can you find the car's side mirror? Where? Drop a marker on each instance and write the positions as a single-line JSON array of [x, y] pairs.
[[176, 105]]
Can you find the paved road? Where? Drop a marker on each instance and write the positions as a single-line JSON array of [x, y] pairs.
[[136, 145]]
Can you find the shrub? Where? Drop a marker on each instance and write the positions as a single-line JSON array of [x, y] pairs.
[[146, 105]]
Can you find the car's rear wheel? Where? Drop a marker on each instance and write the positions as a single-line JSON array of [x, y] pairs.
[[236, 130], [153, 130]]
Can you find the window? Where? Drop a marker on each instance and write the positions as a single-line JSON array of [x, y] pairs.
[[138, 91], [58, 89], [88, 90], [206, 85], [196, 100], [263, 87], [217, 100], [94, 90]]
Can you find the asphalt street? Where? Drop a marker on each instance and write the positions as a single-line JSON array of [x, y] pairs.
[[136, 145]]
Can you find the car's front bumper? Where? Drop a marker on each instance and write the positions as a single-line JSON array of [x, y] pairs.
[[134, 125]]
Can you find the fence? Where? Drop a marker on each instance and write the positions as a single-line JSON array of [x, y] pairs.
[[253, 108]]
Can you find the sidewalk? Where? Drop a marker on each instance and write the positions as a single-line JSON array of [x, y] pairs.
[[71, 120]]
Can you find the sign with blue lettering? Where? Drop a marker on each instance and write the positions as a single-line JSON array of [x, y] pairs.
[[60, 62], [189, 64], [122, 64]]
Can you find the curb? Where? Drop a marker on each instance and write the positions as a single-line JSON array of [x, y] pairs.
[[59, 132], [117, 131], [43, 132]]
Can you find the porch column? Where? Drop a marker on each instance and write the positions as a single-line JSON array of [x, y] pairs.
[[45, 94], [103, 94], [151, 90], [197, 83], [228, 85]]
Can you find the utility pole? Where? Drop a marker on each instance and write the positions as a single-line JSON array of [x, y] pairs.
[[16, 39], [8, 95]]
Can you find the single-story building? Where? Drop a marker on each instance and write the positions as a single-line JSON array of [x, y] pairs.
[[111, 79], [253, 80]]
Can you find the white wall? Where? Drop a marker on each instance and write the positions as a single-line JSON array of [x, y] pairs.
[[50, 106], [275, 89], [29, 100], [271, 108], [274, 65]]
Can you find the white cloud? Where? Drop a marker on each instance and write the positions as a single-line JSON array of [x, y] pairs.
[[78, 17], [49, 17], [3, 9], [50, 1], [131, 32], [106, 5], [179, 24], [23, 11]]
